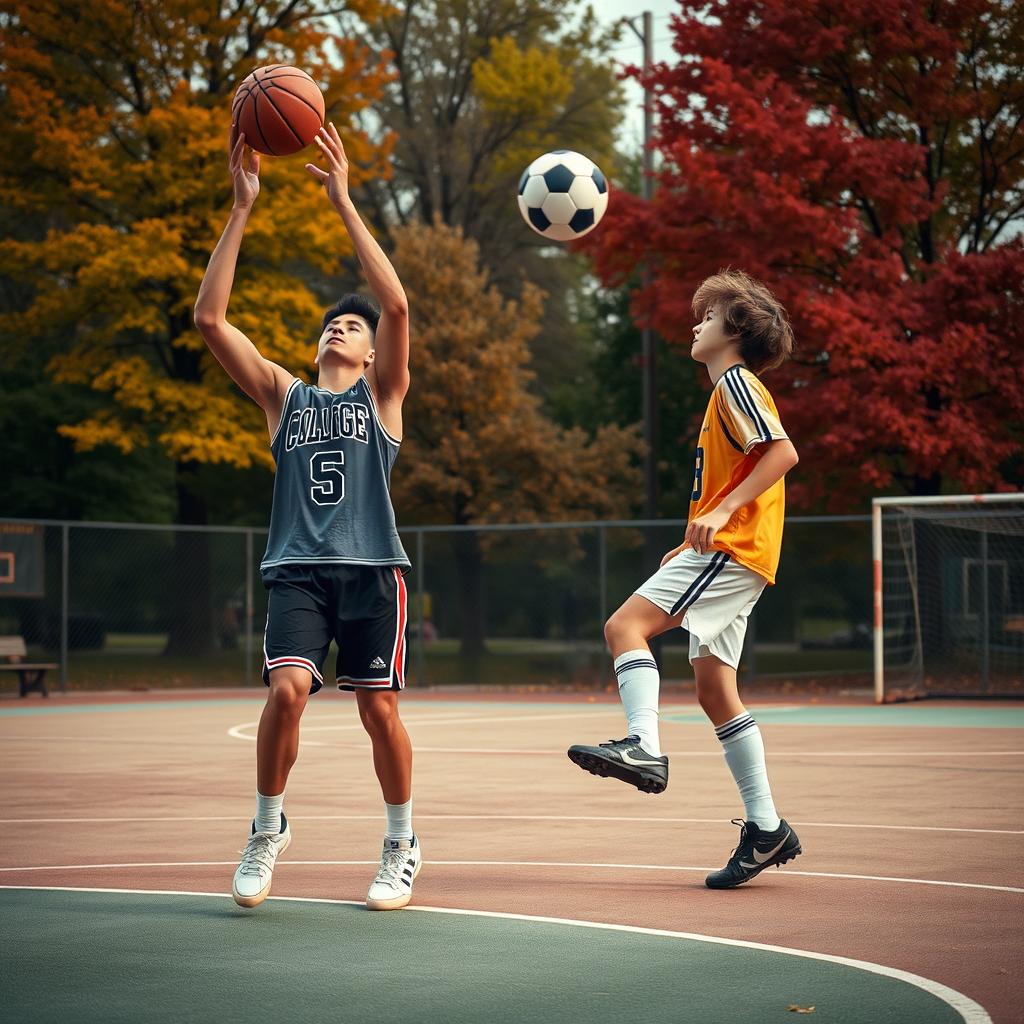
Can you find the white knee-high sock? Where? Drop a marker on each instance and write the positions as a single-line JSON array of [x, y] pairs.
[[744, 754], [639, 684], [268, 813], [399, 820]]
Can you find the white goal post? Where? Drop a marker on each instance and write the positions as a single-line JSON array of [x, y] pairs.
[[948, 596]]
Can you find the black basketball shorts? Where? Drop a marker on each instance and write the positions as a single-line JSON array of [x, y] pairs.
[[362, 607]]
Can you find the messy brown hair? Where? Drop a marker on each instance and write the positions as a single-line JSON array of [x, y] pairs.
[[750, 312]]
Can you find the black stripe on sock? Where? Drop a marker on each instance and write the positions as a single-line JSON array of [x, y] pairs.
[[638, 663], [726, 732]]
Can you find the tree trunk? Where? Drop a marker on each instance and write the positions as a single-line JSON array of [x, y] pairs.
[[192, 627], [469, 562]]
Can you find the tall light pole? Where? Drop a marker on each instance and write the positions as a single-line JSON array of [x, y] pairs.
[[648, 352]]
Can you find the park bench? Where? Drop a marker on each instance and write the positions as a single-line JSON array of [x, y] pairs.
[[31, 675]]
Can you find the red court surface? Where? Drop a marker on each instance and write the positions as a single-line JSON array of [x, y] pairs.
[[909, 815]]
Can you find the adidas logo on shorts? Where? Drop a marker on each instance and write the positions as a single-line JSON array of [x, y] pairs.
[[378, 663]]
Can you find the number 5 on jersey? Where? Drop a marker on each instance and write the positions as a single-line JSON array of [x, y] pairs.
[[328, 479]]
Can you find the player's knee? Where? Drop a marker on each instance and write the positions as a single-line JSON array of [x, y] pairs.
[[289, 690], [621, 628], [712, 694], [613, 629], [378, 713], [706, 698]]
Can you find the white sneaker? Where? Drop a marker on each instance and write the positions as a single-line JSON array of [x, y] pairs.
[[400, 863], [256, 870]]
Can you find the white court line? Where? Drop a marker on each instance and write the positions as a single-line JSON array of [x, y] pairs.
[[510, 864], [506, 817], [417, 749], [459, 721], [236, 730], [517, 751], [969, 1010]]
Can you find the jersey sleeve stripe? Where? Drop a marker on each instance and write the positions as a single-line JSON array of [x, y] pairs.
[[743, 401], [762, 426]]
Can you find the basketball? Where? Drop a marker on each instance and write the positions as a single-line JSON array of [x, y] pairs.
[[279, 108]]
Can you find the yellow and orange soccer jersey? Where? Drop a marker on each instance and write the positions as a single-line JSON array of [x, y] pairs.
[[740, 416]]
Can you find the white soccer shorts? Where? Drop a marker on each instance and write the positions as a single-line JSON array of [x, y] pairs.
[[717, 594]]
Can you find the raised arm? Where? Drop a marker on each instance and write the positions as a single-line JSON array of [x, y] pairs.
[[390, 368], [263, 381]]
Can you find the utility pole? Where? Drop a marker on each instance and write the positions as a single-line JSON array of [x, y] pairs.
[[648, 352]]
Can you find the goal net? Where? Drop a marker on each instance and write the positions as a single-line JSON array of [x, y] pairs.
[[949, 596]]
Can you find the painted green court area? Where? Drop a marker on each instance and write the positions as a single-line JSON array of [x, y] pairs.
[[106, 957]]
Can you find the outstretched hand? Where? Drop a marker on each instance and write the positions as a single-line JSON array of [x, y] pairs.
[[246, 179], [336, 175]]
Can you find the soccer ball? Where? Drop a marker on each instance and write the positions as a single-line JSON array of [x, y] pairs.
[[563, 195]]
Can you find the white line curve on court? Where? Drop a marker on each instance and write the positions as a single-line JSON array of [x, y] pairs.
[[512, 864], [419, 749], [236, 731], [970, 1011], [507, 817]]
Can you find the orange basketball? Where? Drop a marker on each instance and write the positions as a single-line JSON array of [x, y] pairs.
[[280, 109]]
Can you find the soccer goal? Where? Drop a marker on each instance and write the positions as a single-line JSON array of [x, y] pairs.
[[949, 596]]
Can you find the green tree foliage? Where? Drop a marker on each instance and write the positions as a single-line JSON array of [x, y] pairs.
[[482, 87], [114, 175]]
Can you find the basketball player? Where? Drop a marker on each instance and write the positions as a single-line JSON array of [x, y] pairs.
[[710, 582], [334, 563]]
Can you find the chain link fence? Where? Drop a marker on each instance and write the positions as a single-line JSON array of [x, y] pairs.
[[132, 606]]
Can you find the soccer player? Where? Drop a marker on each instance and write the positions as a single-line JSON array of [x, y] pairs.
[[710, 582], [334, 563]]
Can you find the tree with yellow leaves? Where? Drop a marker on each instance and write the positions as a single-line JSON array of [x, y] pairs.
[[477, 446], [116, 116], [479, 90]]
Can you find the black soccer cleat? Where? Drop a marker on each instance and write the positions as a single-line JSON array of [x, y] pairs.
[[626, 760], [757, 851]]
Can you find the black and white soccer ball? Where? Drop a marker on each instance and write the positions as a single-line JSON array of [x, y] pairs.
[[563, 195]]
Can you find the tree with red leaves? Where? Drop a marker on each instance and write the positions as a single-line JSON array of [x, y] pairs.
[[865, 159]]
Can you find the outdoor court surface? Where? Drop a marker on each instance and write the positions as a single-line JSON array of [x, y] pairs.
[[546, 894]]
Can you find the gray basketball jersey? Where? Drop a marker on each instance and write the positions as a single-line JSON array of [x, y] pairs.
[[332, 503]]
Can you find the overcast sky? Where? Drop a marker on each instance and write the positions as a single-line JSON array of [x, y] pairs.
[[630, 50]]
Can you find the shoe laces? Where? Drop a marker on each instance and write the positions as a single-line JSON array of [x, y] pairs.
[[743, 834], [259, 855], [391, 864]]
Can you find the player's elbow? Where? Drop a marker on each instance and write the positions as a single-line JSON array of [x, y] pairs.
[[397, 307], [206, 320], [794, 458]]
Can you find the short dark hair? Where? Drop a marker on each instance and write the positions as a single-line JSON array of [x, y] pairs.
[[359, 305], [750, 311]]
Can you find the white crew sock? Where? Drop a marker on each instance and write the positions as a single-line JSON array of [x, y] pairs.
[[639, 683], [268, 813], [399, 820], [744, 754]]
